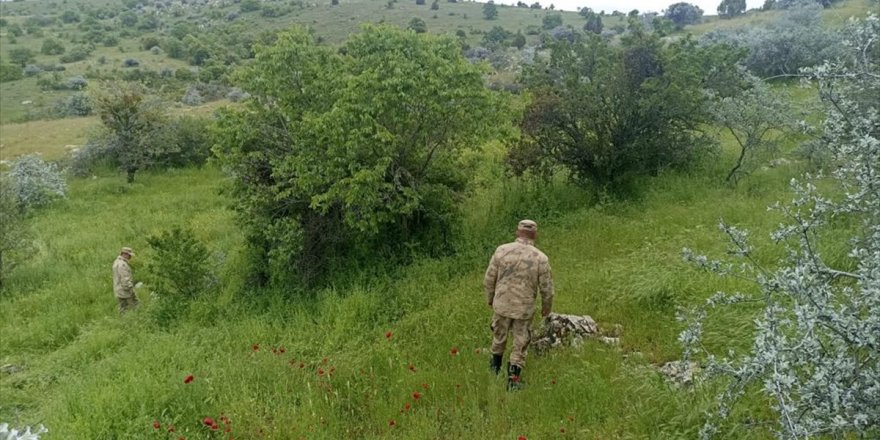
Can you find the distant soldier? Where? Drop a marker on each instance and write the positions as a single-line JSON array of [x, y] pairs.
[[123, 284], [516, 273]]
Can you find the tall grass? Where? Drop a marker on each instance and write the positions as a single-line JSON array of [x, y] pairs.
[[88, 373]]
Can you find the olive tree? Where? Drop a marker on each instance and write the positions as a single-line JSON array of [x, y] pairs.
[[815, 353], [353, 150]]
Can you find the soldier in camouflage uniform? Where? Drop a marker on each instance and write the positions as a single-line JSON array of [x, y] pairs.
[[123, 284], [516, 273]]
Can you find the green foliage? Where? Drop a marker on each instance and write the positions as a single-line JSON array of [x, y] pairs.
[[608, 114], [682, 14], [249, 5], [490, 11], [52, 46], [593, 21], [77, 53], [551, 21], [9, 72], [418, 25], [179, 272], [69, 16], [20, 56], [358, 152], [731, 8], [497, 36], [130, 118]]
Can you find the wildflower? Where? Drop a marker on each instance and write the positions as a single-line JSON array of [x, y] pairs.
[[416, 395], [281, 350], [411, 368], [522, 437], [562, 430], [255, 347], [156, 424], [388, 335], [514, 378], [208, 421], [553, 381], [302, 365], [454, 351], [477, 351], [392, 423], [407, 406], [170, 428], [325, 360], [320, 371], [274, 351], [188, 379], [425, 386]]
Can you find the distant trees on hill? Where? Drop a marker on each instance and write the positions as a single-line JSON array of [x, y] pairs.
[[683, 14], [731, 8]]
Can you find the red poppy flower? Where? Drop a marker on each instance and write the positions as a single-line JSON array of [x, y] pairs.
[[562, 430], [388, 335], [320, 371], [170, 428], [522, 437], [208, 421], [425, 386], [282, 350], [156, 424], [407, 406], [214, 427], [392, 422], [416, 395], [188, 379], [302, 365], [274, 351], [454, 351], [255, 347], [411, 368], [553, 381], [514, 378]]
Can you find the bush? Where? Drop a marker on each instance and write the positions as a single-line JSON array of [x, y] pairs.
[[32, 70], [551, 21], [52, 46], [179, 273], [78, 53], [9, 72], [608, 114], [192, 97], [35, 182], [131, 62], [77, 104]]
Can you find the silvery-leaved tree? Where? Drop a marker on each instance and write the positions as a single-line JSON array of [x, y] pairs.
[[816, 348]]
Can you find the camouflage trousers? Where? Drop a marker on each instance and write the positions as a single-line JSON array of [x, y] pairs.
[[503, 326], [126, 304]]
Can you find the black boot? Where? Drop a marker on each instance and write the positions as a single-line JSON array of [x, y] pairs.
[[495, 363], [514, 377]]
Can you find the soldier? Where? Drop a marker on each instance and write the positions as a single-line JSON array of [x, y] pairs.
[[517, 271], [123, 285]]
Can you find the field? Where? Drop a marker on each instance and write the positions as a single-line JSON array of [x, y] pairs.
[[397, 354]]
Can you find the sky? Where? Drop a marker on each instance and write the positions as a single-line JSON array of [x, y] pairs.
[[709, 7]]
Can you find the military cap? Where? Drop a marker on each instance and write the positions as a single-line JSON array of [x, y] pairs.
[[527, 225], [127, 250]]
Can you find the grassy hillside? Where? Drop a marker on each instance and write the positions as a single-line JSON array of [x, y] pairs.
[[401, 354]]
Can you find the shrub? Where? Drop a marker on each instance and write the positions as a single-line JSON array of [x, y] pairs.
[[179, 272], [52, 46], [32, 70], [683, 14], [192, 97], [348, 190], [36, 183], [78, 53], [131, 62], [15, 237], [9, 72], [77, 104], [551, 21]]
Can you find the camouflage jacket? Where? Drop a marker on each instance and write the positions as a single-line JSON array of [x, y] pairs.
[[517, 271], [123, 285]]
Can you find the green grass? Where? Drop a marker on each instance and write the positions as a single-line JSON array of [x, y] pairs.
[[88, 373]]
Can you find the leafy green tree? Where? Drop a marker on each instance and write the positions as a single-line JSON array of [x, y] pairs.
[[69, 17], [130, 119], [519, 41], [593, 21], [20, 56], [490, 11], [496, 36], [354, 151], [731, 8], [551, 21], [608, 114], [9, 72], [52, 46], [418, 25], [682, 14], [435, 5]]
